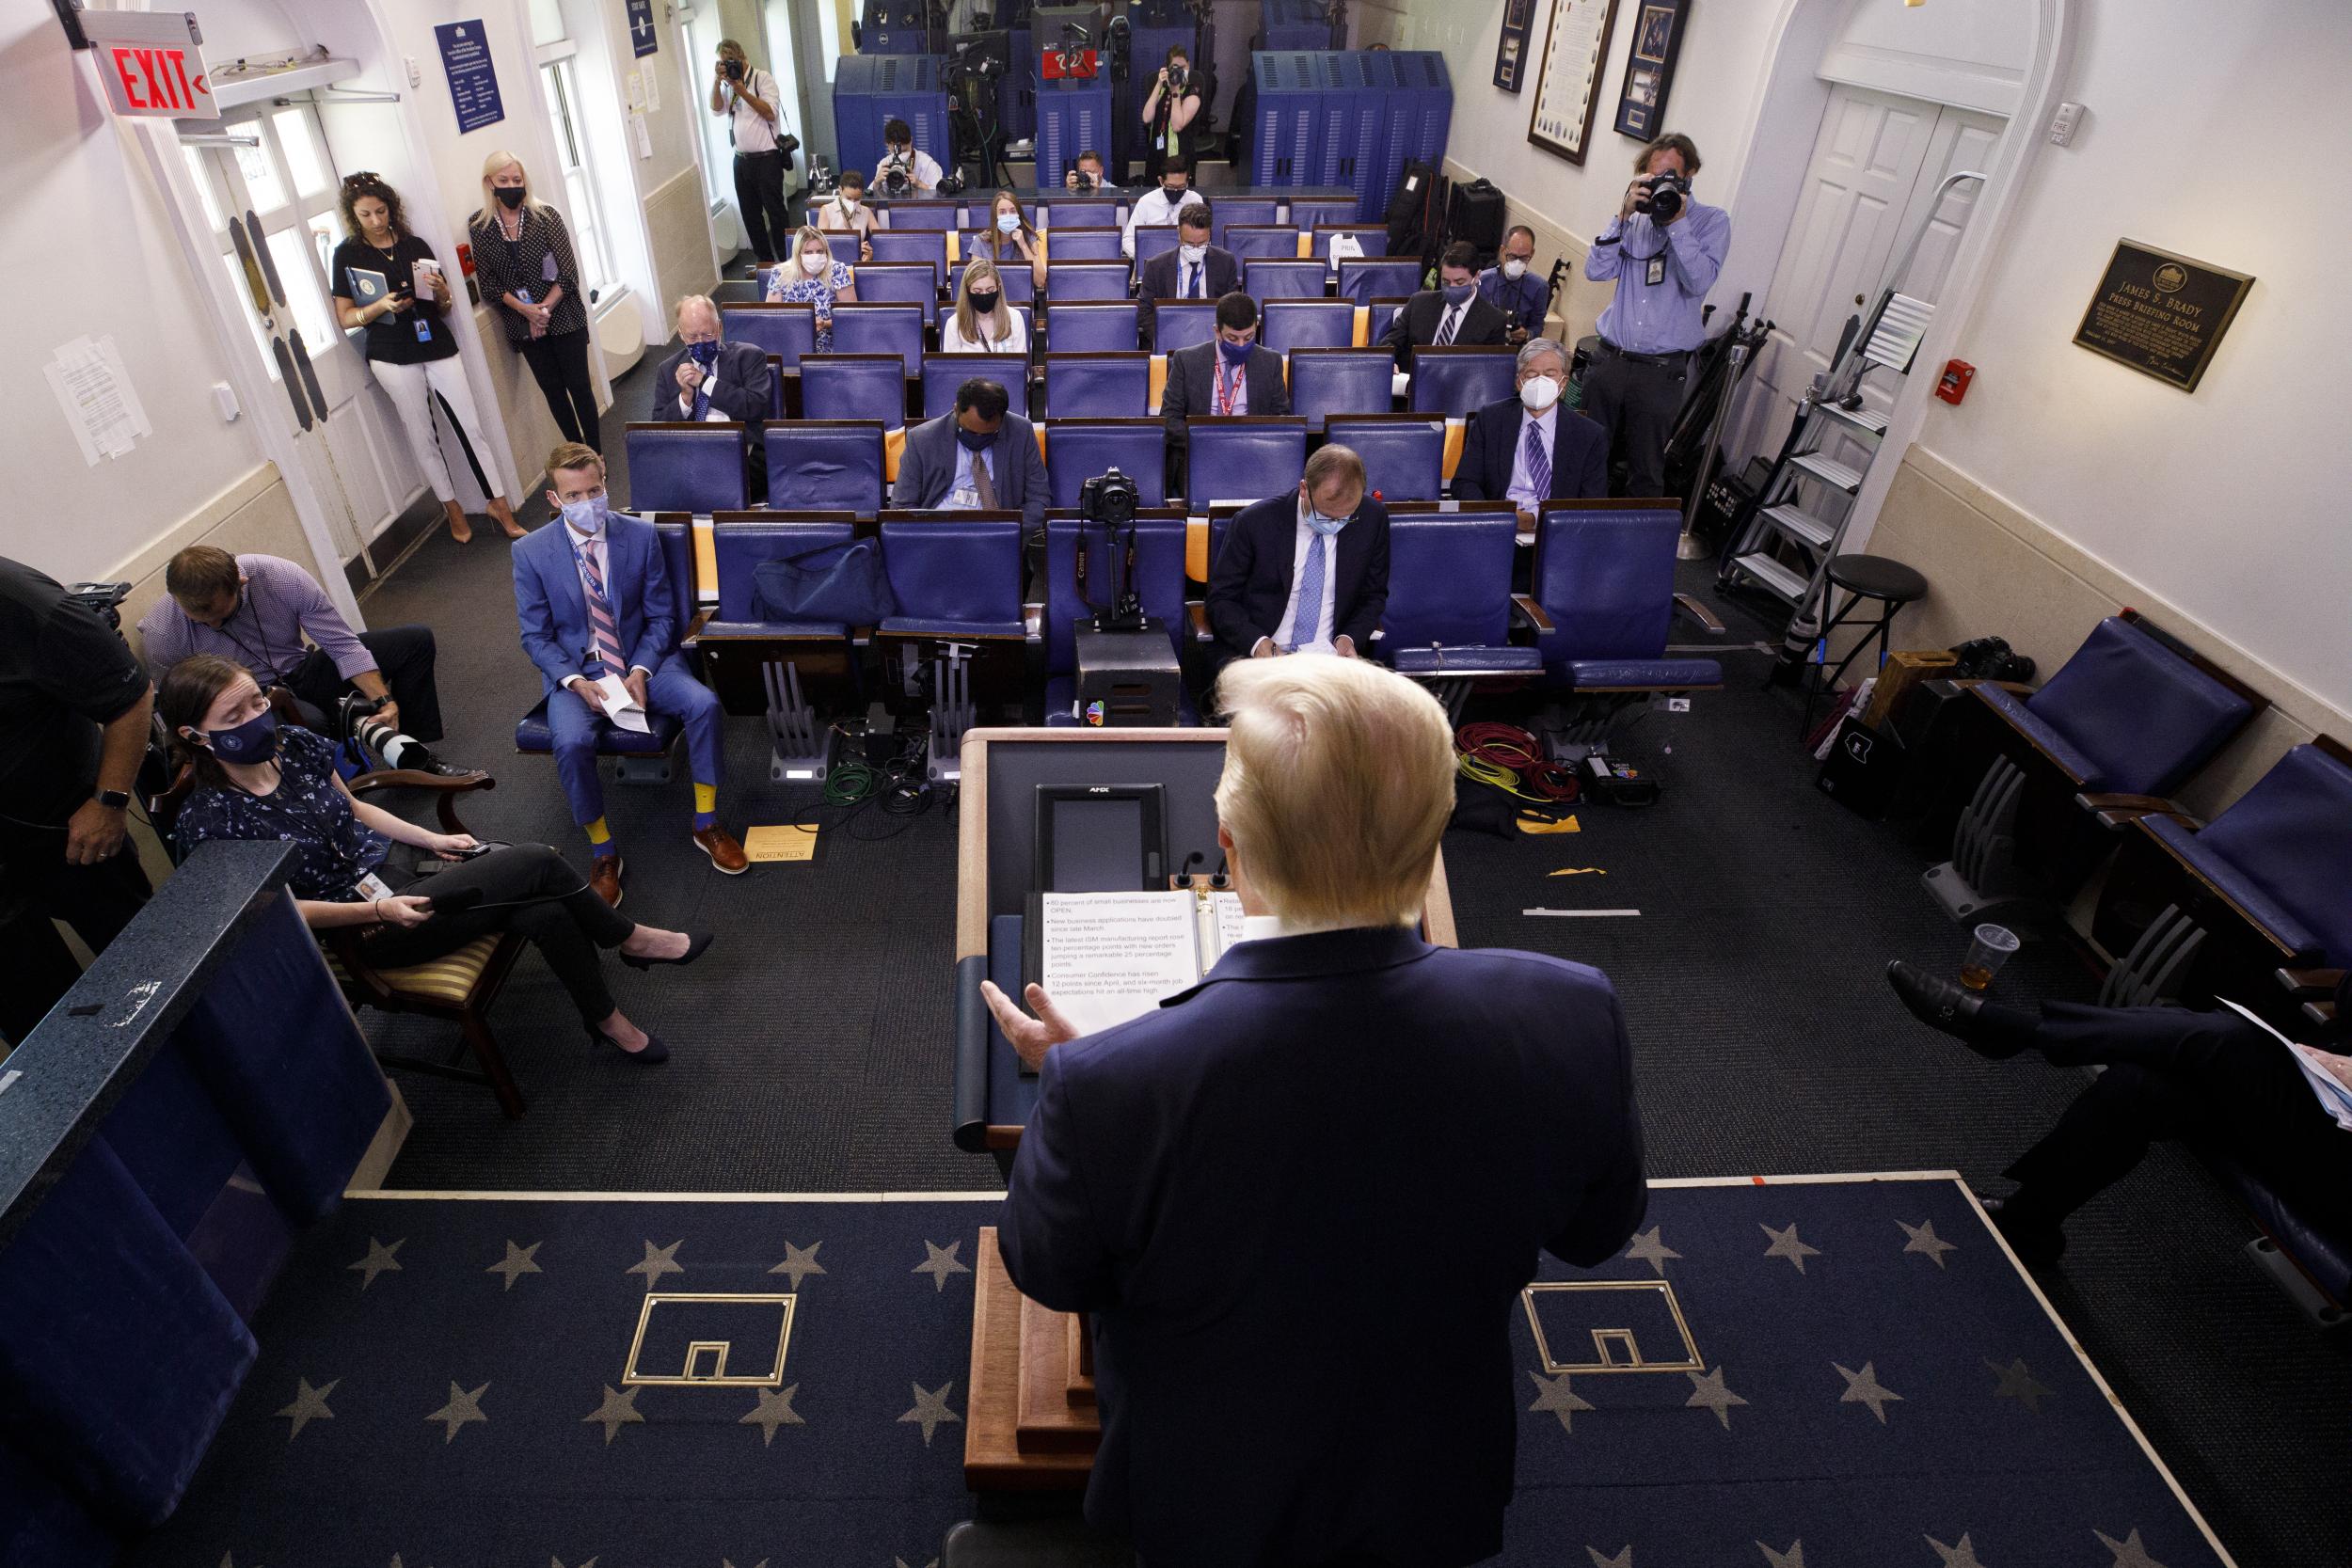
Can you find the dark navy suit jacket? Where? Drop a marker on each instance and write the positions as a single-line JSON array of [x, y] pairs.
[[1249, 581], [1580, 453], [1301, 1201]]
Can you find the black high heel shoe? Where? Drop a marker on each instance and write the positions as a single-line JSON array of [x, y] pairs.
[[652, 1053], [694, 947]]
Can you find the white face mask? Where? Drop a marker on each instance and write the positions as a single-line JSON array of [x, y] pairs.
[[1514, 269], [1192, 254], [849, 203], [814, 262], [1539, 393]]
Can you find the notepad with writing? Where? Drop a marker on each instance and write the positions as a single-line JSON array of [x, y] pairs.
[[1105, 958]]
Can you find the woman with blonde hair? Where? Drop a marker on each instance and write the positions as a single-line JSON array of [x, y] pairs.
[[1010, 239], [522, 254], [812, 278], [983, 321]]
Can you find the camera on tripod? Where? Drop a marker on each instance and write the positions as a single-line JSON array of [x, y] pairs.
[[1108, 500], [101, 599], [1662, 197]]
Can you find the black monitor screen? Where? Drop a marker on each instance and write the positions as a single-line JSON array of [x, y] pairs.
[[1099, 840]]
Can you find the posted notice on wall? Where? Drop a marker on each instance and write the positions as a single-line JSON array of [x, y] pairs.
[[473, 79], [98, 401]]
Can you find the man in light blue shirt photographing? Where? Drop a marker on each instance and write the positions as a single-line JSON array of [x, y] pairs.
[[1664, 249]]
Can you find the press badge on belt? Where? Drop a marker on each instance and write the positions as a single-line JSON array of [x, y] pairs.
[[1657, 271]]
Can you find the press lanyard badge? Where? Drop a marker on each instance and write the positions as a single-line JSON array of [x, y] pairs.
[[1656, 269], [373, 887], [424, 330]]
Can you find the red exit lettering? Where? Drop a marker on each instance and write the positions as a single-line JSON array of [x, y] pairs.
[[155, 78]]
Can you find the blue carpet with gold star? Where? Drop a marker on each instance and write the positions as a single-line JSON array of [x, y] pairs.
[[1792, 1374]]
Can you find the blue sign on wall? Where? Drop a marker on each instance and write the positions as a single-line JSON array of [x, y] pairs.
[[474, 82], [641, 34]]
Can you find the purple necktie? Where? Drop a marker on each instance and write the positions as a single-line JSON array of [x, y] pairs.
[[603, 629]]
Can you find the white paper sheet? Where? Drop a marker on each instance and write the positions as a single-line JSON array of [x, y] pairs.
[[653, 92], [622, 708], [1227, 911], [2320, 1069], [97, 397], [1110, 957]]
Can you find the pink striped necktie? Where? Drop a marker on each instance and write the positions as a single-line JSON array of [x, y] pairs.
[[603, 629]]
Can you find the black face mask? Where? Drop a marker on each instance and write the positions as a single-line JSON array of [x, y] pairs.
[[1174, 193], [984, 304], [510, 196]]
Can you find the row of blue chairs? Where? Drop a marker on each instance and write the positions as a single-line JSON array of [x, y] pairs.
[[929, 280], [785, 332], [1307, 213], [1247, 241]]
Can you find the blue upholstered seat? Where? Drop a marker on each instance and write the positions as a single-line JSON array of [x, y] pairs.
[[1264, 281], [953, 578], [1019, 282], [1458, 382], [921, 213], [1449, 609], [739, 549], [1238, 213], [1080, 215], [1244, 459], [1380, 314], [1094, 326], [786, 331], [682, 467], [1079, 450], [1382, 277], [1181, 324], [1605, 579], [1291, 323], [1252, 242], [944, 373], [907, 244], [915, 283], [1089, 244], [817, 465], [1329, 381], [1404, 453], [1306, 212], [1151, 239], [2282, 852], [1159, 580], [1084, 279], [1372, 237], [2325, 1257], [2126, 714], [854, 386], [889, 327], [1098, 386]]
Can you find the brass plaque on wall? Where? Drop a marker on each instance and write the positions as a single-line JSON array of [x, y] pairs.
[[2161, 314]]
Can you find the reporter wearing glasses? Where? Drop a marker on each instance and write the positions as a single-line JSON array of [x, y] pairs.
[[255, 780], [523, 256], [409, 344]]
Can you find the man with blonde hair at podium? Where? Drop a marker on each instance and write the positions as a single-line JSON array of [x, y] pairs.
[[1302, 1198]]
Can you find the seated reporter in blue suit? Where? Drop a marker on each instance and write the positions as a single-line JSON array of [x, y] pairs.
[[594, 599], [1528, 449], [982, 457], [1302, 1198]]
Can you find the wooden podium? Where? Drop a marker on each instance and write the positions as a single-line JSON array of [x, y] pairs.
[[1033, 1425]]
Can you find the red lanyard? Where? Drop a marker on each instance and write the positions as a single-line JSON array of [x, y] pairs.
[[1224, 386]]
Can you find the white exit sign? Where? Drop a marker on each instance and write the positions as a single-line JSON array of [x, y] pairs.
[[152, 63]]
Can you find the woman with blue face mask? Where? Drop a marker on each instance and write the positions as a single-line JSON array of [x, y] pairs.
[[356, 865], [1008, 240]]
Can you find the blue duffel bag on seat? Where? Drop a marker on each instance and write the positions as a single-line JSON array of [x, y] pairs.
[[840, 583]]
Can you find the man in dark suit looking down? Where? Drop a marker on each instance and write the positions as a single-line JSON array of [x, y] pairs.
[[1230, 374], [1450, 315], [1194, 270], [1224, 1184]]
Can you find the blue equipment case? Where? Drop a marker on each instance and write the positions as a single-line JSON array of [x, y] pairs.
[[870, 89]]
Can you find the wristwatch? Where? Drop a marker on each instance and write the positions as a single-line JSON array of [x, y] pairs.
[[113, 799]]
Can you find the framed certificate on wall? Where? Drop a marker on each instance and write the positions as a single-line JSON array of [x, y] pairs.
[[1649, 66], [1511, 48], [1568, 75]]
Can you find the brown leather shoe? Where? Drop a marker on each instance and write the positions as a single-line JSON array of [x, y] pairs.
[[725, 854], [604, 877]]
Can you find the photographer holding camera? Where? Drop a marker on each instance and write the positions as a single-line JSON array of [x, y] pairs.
[[1086, 176], [1169, 110], [905, 171], [1664, 249], [77, 710], [763, 147]]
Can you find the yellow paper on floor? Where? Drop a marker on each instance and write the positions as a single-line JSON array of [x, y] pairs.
[[1578, 871], [1535, 822], [780, 842]]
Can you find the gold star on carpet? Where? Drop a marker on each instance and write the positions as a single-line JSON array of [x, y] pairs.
[[930, 1409], [1554, 1395], [1622, 1559], [1792, 1557], [1962, 1556], [657, 1261], [2017, 1384], [2128, 1552], [1784, 1245], [1708, 1393], [800, 1263], [616, 1411], [380, 1259], [773, 1410], [517, 1262], [1863, 1387], [1924, 1238], [309, 1404], [462, 1407], [1650, 1250], [940, 1262]]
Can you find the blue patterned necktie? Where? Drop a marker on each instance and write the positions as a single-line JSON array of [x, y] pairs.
[[1538, 461], [1307, 623], [603, 626], [1192, 289]]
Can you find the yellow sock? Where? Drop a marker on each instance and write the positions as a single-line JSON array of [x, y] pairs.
[[599, 832], [706, 799]]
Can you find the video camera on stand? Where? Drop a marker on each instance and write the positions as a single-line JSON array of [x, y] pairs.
[[1110, 501]]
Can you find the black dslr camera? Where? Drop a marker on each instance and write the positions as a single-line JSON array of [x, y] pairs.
[[1662, 197], [1108, 500], [1989, 658], [735, 70], [101, 599], [1085, 185], [894, 178]]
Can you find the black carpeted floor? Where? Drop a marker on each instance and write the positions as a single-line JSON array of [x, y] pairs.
[[812, 1044]]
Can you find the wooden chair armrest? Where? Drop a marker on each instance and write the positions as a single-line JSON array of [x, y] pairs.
[[447, 786], [1707, 618], [1526, 608], [1200, 614], [2114, 810], [2309, 982], [695, 628], [344, 942]]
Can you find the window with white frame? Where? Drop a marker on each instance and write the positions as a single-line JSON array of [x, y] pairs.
[[580, 209], [285, 183]]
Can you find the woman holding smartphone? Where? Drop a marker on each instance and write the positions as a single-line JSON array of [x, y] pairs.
[[376, 276]]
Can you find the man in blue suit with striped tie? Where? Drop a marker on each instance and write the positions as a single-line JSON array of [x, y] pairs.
[[595, 602]]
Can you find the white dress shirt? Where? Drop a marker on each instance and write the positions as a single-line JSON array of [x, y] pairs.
[[1258, 927], [710, 389], [1451, 313], [1290, 634], [752, 133], [953, 341], [964, 494], [1522, 486], [1152, 210]]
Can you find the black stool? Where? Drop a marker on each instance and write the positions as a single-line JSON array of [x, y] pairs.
[[1887, 584]]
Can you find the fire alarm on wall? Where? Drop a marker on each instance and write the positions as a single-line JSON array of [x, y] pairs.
[[1953, 385]]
